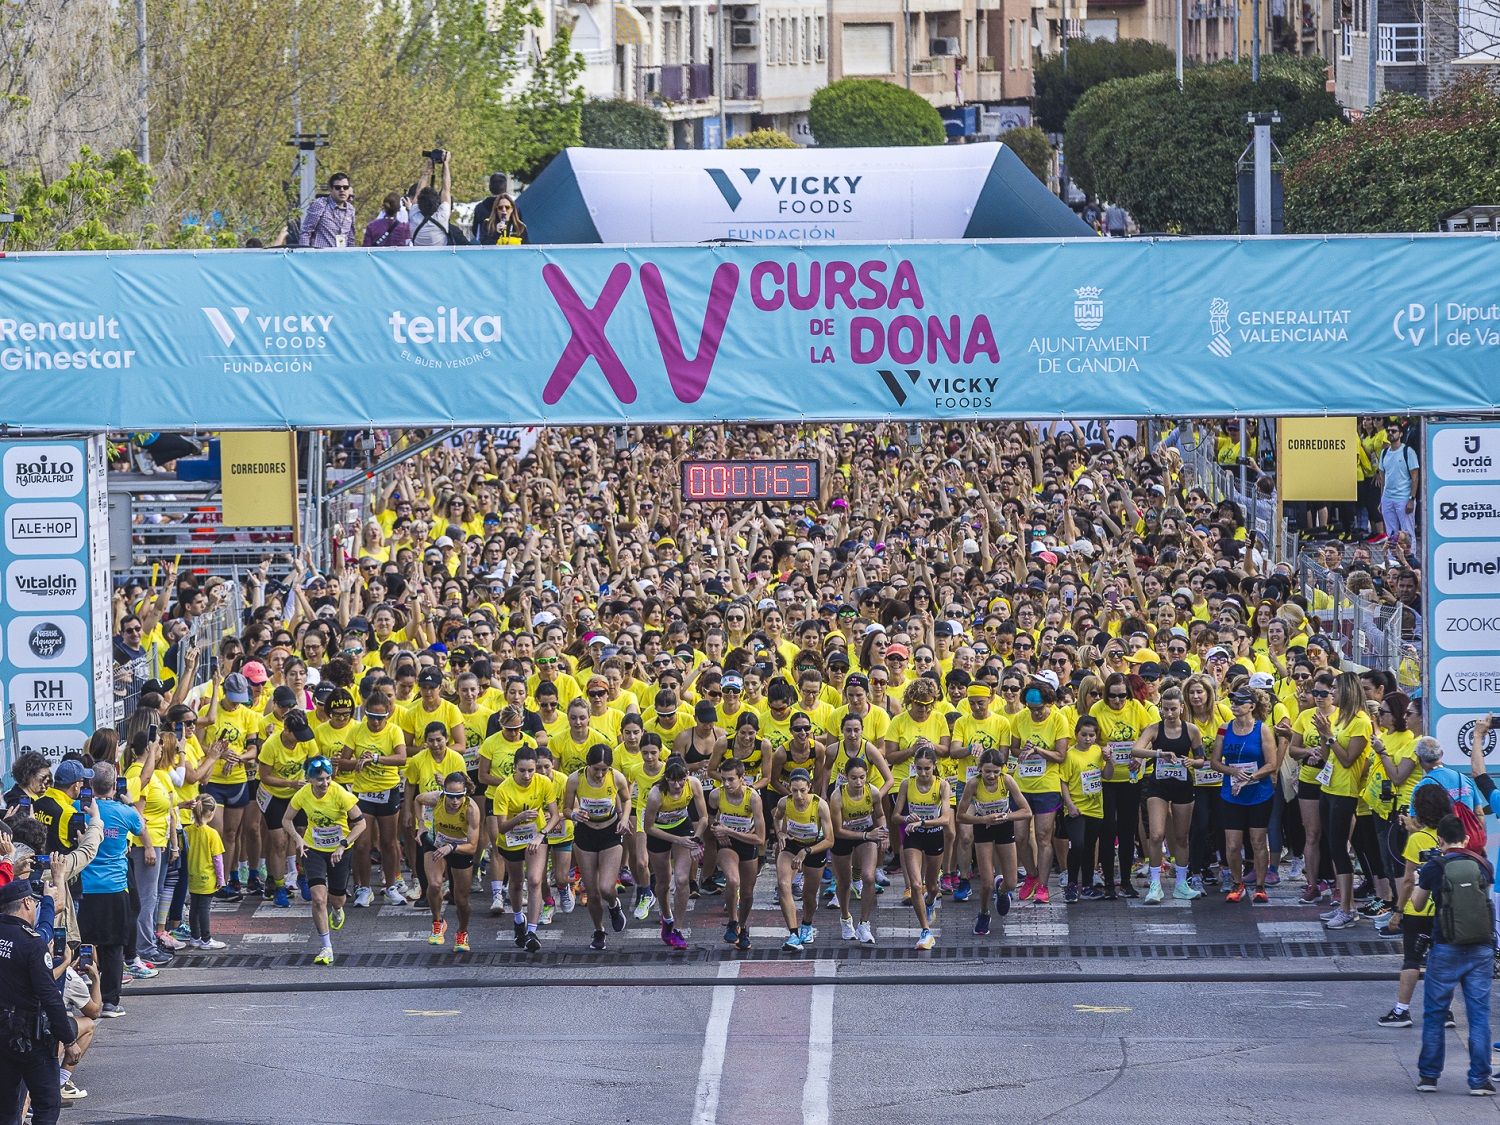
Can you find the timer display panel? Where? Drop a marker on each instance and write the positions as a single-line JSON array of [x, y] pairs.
[[720, 481]]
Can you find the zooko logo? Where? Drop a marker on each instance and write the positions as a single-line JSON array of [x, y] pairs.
[[795, 195], [589, 338]]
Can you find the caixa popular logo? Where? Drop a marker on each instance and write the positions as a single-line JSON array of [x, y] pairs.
[[39, 472], [44, 585]]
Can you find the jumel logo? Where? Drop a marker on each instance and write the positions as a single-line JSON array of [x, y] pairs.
[[726, 187], [590, 340]]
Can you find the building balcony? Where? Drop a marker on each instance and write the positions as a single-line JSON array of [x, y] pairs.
[[674, 83], [1401, 44], [742, 82]]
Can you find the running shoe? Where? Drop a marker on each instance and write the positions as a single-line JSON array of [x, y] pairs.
[[863, 932], [1028, 888], [1043, 895], [1365, 889], [324, 956], [846, 928], [303, 887], [808, 934], [139, 970], [227, 894], [831, 899], [1273, 877], [626, 878], [1309, 895], [880, 877], [797, 883], [793, 943], [643, 906], [982, 924], [1294, 869], [1260, 898], [1381, 919], [1196, 882], [209, 945], [461, 942], [548, 911], [256, 886], [533, 943], [947, 884], [926, 941], [363, 897], [1236, 893], [934, 904], [1186, 891], [1325, 891], [71, 1092], [676, 939], [519, 929], [497, 902], [857, 889], [1373, 908], [438, 930], [1091, 893], [1154, 893], [1127, 890], [1386, 932], [1394, 1018], [394, 895], [111, 1012], [1329, 915], [731, 933], [616, 917], [962, 890], [598, 945], [336, 918], [1002, 903], [166, 941], [1070, 893], [282, 898], [1341, 921], [1110, 894], [182, 932], [744, 942]]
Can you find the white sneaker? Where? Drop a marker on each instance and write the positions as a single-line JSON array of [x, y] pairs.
[[566, 900], [864, 934], [1185, 890], [797, 883], [1294, 869], [363, 896], [846, 928], [1154, 892], [1330, 915], [926, 940], [211, 943], [1341, 921], [497, 903], [395, 896]]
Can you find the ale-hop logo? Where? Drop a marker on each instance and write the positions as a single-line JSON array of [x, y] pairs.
[[795, 195]]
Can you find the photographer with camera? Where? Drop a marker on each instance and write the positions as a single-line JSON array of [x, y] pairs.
[[33, 1018], [1431, 806], [429, 219], [1457, 883]]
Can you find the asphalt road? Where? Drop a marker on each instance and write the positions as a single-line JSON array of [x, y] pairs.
[[734, 1052]]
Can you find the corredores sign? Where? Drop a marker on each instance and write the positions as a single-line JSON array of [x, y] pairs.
[[873, 289]]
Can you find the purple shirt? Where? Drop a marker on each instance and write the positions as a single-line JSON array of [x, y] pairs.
[[328, 224]]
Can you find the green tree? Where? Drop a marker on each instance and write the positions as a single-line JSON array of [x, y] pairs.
[[869, 113], [1032, 146], [1090, 62], [1168, 155], [1400, 166], [761, 138], [616, 123]]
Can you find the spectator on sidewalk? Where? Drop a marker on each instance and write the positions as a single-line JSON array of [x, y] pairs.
[[329, 222], [104, 916], [1400, 476]]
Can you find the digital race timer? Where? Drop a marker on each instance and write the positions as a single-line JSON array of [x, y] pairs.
[[749, 480]]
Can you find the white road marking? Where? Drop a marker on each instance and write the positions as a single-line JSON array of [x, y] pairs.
[[819, 1047], [271, 910], [715, 1039], [1166, 929], [273, 939], [1034, 929], [1295, 931]]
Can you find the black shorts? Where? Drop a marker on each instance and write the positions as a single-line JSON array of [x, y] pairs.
[[661, 847], [322, 873], [456, 861], [744, 849], [928, 841], [511, 855], [381, 804], [1242, 818], [1003, 833], [796, 848], [1413, 926], [228, 796], [1174, 792], [274, 811], [1309, 790], [841, 846], [587, 838]]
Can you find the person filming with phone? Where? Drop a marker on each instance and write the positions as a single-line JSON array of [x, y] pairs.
[[105, 919]]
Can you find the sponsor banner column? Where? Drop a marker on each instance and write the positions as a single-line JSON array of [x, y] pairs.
[[1461, 541], [49, 493]]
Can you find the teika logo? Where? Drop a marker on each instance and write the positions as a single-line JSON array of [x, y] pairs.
[[589, 339], [726, 186]]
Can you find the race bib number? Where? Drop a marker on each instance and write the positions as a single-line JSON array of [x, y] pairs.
[[597, 808], [521, 835], [263, 799], [1119, 752], [1091, 781], [1171, 771], [992, 808], [860, 823], [439, 840], [803, 829], [1325, 775], [1208, 777], [328, 838], [737, 823], [1033, 767]]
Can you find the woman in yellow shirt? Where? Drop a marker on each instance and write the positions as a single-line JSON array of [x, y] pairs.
[[1039, 744], [859, 832], [676, 818], [924, 809], [597, 802], [738, 823], [1396, 771], [525, 811], [1121, 720], [991, 804], [1345, 732]]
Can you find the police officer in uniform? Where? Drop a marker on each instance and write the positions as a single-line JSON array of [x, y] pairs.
[[33, 1019]]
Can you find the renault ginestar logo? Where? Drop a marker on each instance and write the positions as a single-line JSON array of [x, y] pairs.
[[1088, 307], [1218, 326], [726, 186]]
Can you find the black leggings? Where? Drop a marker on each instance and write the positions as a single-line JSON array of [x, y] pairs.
[[111, 962], [1122, 814], [1206, 836], [1083, 838], [198, 911], [1338, 818], [1368, 847]]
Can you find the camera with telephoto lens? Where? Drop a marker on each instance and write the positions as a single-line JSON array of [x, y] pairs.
[[1387, 793], [437, 155], [1430, 854]]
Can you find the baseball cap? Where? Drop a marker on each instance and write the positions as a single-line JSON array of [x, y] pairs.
[[284, 697], [1262, 680], [732, 683], [1048, 677], [16, 890], [236, 688], [1217, 650], [70, 772], [430, 677], [255, 672]]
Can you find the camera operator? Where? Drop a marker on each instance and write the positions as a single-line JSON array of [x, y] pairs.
[[1430, 806], [1457, 882], [33, 1018], [429, 218]]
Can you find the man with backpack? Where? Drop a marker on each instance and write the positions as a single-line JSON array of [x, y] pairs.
[[1458, 882]]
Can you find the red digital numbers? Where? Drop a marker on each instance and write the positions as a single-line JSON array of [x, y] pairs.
[[749, 480]]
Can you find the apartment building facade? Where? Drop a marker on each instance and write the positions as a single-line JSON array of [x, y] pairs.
[[1412, 46]]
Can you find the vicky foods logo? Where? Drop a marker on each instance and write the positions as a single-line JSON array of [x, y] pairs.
[[793, 195], [276, 343]]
